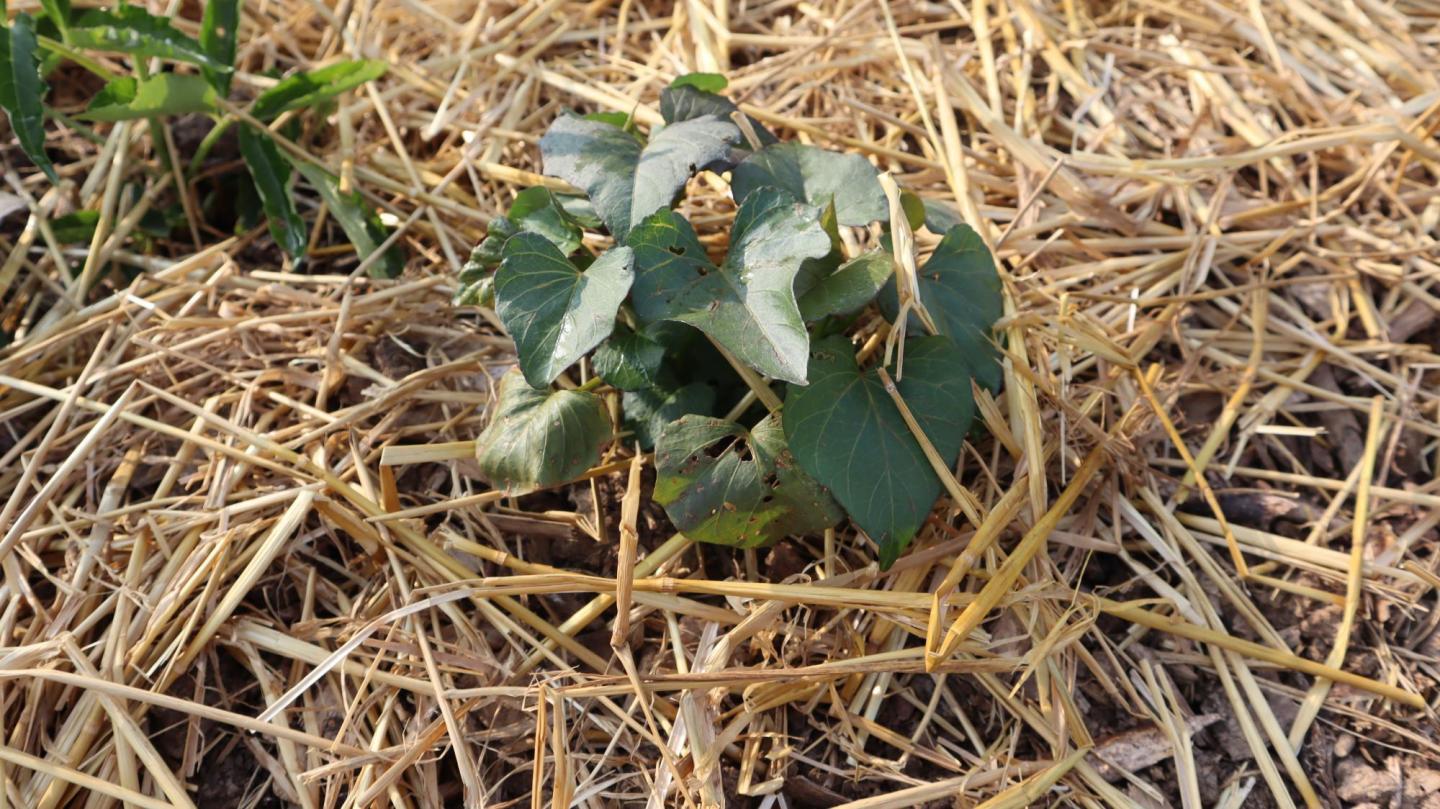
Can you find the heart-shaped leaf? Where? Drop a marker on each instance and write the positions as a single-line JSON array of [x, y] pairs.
[[535, 210], [748, 303], [816, 176], [647, 411], [628, 361], [724, 484], [540, 437], [960, 287], [682, 102], [555, 312], [21, 91], [848, 288], [133, 30], [625, 179], [125, 99], [361, 224], [846, 431]]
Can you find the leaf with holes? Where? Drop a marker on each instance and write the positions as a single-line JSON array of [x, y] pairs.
[[628, 361], [724, 484], [133, 30], [21, 91], [960, 287], [846, 431], [540, 437], [816, 176], [555, 312], [747, 304], [628, 180]]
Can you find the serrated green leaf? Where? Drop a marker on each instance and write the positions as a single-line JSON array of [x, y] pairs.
[[361, 224], [848, 288], [960, 287], [724, 484], [125, 99], [705, 82], [815, 176], [846, 431], [648, 411], [133, 30], [625, 179], [311, 87], [219, 28], [554, 312], [628, 361], [748, 303], [21, 91], [271, 173], [75, 228], [540, 437]]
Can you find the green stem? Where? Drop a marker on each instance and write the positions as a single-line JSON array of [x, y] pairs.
[[212, 137], [77, 57], [591, 384]]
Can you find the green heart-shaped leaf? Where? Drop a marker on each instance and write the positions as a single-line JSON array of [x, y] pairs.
[[960, 287], [133, 30], [682, 102], [648, 411], [848, 288], [540, 437], [535, 210], [846, 431], [724, 484], [625, 179], [628, 361], [555, 312], [816, 176], [748, 303], [21, 91]]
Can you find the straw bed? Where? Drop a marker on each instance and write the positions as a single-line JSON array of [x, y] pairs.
[[1191, 558]]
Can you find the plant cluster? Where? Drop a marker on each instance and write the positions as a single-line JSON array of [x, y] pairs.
[[681, 338], [33, 48]]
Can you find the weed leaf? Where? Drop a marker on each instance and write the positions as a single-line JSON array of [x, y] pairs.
[[219, 27], [21, 90], [133, 30], [311, 87], [125, 99], [271, 173], [361, 224]]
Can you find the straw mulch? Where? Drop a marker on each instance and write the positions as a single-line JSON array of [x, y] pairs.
[[229, 486]]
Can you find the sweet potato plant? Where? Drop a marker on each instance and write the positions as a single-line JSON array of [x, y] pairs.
[[691, 343]]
